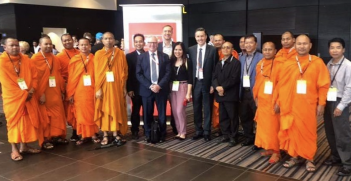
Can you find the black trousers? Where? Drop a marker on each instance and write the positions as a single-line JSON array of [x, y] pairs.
[[338, 133], [202, 97], [148, 111], [135, 116], [229, 119], [247, 114]]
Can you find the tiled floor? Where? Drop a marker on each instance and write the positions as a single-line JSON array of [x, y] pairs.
[[131, 162]]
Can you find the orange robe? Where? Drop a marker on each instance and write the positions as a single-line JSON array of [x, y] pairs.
[[65, 56], [266, 119], [111, 110], [21, 115], [298, 121], [82, 111], [52, 111], [287, 53], [215, 110]]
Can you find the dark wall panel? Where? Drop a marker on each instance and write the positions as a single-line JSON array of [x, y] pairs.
[[267, 4], [223, 6], [8, 20]]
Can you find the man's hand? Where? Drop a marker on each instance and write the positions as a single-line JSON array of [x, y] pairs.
[[220, 90], [124, 92], [276, 109], [131, 94], [155, 88], [71, 101], [320, 110], [211, 90], [337, 112], [256, 102], [30, 94], [42, 99], [98, 94]]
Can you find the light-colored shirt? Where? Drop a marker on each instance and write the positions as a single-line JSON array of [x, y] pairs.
[[248, 62], [197, 58], [167, 49], [36, 49], [157, 63], [342, 81]]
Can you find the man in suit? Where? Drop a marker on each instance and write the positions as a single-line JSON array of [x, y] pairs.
[[205, 57], [226, 81], [166, 46], [154, 73], [248, 62], [133, 83]]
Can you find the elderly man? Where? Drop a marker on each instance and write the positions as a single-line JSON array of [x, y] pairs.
[[226, 81], [111, 73], [19, 81], [153, 72], [302, 97], [336, 115]]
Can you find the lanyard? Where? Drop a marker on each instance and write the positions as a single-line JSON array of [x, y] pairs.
[[291, 49], [298, 63], [85, 67], [47, 62], [19, 63], [68, 54], [336, 72], [270, 72], [110, 62], [224, 62], [248, 68]]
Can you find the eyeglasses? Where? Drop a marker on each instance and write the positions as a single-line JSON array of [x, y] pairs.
[[152, 42]]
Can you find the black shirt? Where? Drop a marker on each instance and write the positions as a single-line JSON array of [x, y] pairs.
[[183, 74]]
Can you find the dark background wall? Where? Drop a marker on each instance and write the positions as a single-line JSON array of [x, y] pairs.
[[321, 19]]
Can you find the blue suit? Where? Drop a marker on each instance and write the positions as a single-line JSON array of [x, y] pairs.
[[248, 106], [143, 74]]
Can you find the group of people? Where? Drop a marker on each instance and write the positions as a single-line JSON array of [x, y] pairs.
[[282, 93]]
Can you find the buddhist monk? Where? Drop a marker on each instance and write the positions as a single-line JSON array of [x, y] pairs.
[[80, 93], [242, 46], [288, 43], [111, 73], [302, 97], [218, 42], [19, 81], [65, 56], [267, 120], [51, 88]]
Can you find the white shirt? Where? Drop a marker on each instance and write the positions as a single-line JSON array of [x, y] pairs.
[[167, 49], [157, 63], [197, 58], [36, 49]]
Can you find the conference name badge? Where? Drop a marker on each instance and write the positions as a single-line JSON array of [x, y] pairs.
[[268, 87], [175, 86], [110, 77], [22, 84], [332, 94], [201, 73], [246, 81], [52, 81], [86, 80], [301, 87]]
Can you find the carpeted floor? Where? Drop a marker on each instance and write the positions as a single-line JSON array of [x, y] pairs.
[[245, 157]]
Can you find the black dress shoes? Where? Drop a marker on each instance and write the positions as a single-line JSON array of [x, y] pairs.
[[224, 140], [135, 135], [232, 142], [255, 148], [147, 139], [162, 140], [344, 171], [207, 137], [248, 142], [197, 136], [332, 162]]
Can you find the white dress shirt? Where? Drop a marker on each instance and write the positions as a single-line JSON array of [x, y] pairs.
[[197, 58]]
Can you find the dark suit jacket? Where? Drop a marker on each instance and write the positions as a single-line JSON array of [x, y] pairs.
[[252, 72], [209, 63], [228, 77], [132, 82], [160, 46], [96, 47], [143, 73]]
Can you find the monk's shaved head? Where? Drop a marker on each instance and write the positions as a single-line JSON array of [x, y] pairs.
[[269, 50], [289, 33], [288, 39], [12, 46], [44, 38], [45, 44], [108, 39], [218, 41], [227, 43], [303, 45], [227, 49], [84, 46], [9, 39]]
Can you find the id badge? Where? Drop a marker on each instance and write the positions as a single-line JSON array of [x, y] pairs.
[[332, 94], [268, 87], [110, 77], [201, 73], [52, 81], [301, 87], [22, 84], [86, 80], [246, 81], [175, 86]]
